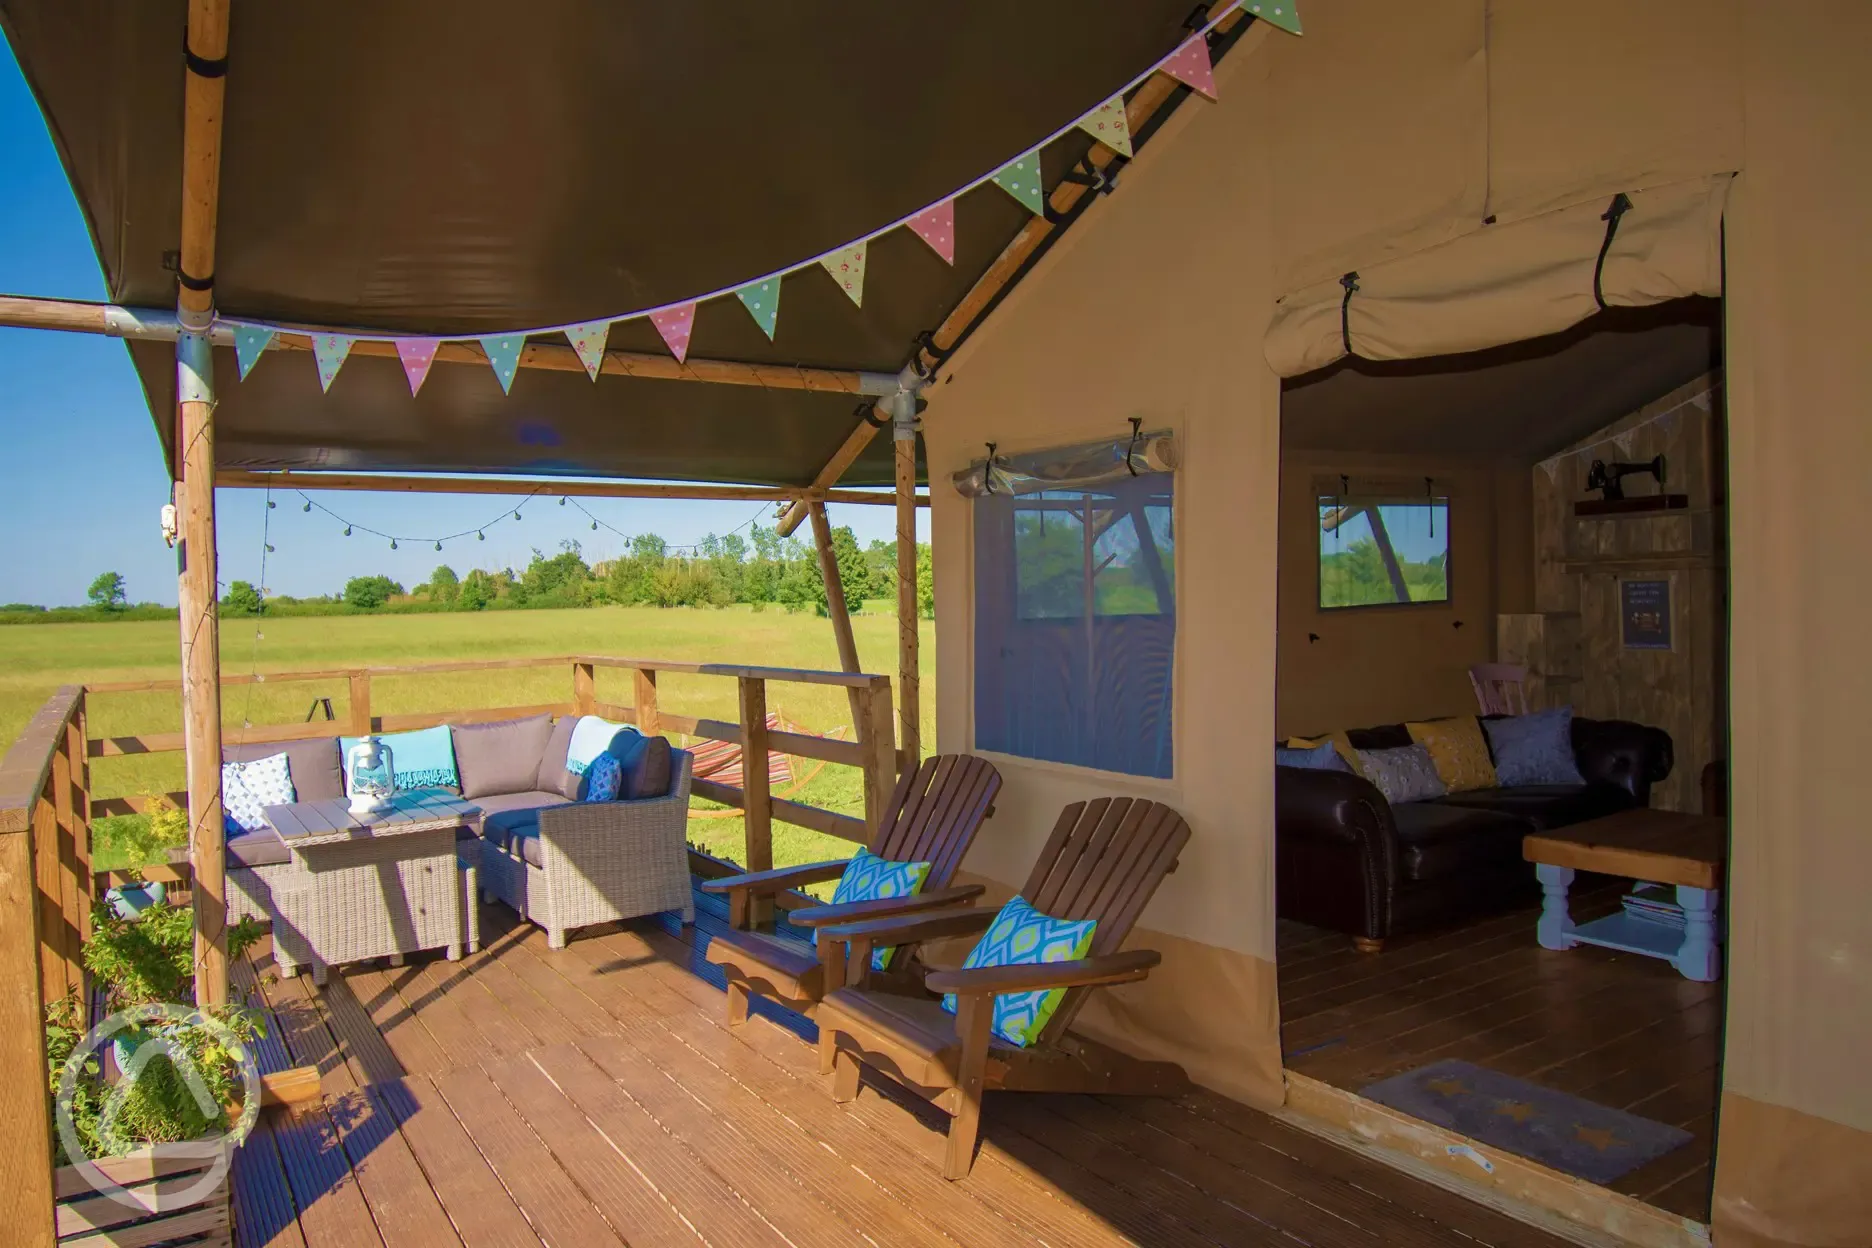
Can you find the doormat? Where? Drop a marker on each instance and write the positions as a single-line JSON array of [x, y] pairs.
[[1557, 1129]]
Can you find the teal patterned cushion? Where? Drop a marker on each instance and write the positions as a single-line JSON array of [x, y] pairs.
[[871, 878], [1022, 936]]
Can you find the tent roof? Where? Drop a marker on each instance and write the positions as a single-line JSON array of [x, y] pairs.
[[466, 166]]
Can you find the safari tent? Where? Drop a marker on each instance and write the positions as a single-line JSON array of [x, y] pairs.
[[1398, 182]]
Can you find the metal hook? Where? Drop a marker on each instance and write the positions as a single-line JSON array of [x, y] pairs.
[[1131, 451], [988, 471]]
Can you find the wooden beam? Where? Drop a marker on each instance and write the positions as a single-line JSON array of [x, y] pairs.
[[837, 609], [238, 479], [203, 97], [757, 808], [1001, 274], [909, 730]]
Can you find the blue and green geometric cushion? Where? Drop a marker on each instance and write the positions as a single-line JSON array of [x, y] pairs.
[[871, 878], [1022, 936]]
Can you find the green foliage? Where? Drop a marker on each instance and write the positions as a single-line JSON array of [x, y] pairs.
[[107, 591], [1356, 577], [476, 592], [926, 582], [151, 957], [561, 581], [444, 585], [368, 592], [241, 599]]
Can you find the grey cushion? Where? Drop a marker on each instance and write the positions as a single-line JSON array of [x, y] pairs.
[[316, 771], [553, 776], [501, 757], [527, 841], [500, 828], [262, 848], [646, 765]]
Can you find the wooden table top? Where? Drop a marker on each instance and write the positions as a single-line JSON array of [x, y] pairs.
[[1662, 846], [330, 820]]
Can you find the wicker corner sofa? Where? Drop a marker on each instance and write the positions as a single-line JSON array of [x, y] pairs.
[[559, 862]]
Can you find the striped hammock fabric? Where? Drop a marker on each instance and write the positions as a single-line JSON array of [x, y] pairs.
[[720, 761]]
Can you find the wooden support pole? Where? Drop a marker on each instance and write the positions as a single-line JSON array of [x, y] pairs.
[[878, 737], [909, 732], [360, 707], [204, 94], [26, 1162], [649, 718], [584, 688], [236, 479], [758, 806], [836, 607]]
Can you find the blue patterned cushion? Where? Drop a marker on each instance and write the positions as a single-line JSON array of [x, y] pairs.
[[871, 878], [1022, 936], [603, 779], [424, 759], [246, 788], [1534, 749], [1404, 774], [1323, 757]]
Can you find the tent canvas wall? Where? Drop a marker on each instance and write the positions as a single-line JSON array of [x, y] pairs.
[[1387, 131]]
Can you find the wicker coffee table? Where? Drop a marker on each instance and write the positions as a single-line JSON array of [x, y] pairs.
[[375, 886], [1656, 846]]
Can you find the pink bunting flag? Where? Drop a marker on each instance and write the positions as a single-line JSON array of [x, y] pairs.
[[675, 324], [936, 226], [589, 341], [1190, 64], [417, 355]]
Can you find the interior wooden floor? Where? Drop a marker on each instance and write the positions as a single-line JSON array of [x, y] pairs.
[[1614, 1028], [595, 1096]]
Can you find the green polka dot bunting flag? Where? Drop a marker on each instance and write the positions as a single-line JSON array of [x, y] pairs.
[[503, 352], [249, 342], [589, 341], [847, 267], [328, 352], [762, 300], [1021, 179], [1283, 14], [1109, 125]]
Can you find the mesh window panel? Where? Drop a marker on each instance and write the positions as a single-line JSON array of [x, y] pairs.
[[1075, 624]]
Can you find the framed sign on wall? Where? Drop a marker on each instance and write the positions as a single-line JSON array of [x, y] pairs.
[[1645, 614]]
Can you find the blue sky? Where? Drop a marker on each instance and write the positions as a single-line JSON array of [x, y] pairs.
[[82, 470]]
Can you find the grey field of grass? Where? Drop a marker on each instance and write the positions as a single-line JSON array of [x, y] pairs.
[[35, 660]]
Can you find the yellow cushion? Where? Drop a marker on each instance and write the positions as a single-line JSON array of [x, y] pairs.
[[1341, 744], [1458, 750]]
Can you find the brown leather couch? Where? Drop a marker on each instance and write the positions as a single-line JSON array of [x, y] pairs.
[[1349, 861]]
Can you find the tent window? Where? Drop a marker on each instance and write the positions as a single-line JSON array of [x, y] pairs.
[[1075, 624], [1374, 553]]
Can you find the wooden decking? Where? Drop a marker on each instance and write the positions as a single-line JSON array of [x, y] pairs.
[[593, 1096], [1613, 1028]]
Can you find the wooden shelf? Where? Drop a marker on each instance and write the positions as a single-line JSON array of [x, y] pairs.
[[1643, 505]]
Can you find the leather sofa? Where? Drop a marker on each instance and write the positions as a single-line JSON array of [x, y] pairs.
[[1349, 861]]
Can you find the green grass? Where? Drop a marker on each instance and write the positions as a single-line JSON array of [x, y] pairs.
[[35, 660]]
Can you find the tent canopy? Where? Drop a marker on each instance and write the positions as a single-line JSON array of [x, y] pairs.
[[462, 167]]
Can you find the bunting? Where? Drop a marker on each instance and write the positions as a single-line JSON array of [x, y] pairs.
[[936, 226], [847, 267], [417, 354], [762, 300], [1021, 179], [1108, 124], [1188, 63], [503, 352], [249, 342], [589, 341], [328, 352], [675, 324]]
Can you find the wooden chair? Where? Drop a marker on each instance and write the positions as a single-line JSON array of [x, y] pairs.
[[1104, 861], [932, 817], [1500, 688]]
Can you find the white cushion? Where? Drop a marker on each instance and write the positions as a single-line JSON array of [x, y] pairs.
[[248, 788]]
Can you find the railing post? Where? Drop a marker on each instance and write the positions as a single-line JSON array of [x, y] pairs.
[[78, 746], [584, 688], [73, 893], [360, 704], [908, 692], [649, 718], [26, 1163], [877, 733], [758, 806]]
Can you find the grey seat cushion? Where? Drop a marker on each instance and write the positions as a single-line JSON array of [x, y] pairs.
[[502, 757], [553, 776], [316, 771], [262, 848]]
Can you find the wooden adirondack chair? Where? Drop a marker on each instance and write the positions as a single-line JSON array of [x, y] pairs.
[[1104, 861], [932, 817]]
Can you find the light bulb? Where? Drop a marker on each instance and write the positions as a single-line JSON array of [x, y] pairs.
[[516, 515], [594, 526], [307, 507], [393, 543], [562, 500], [347, 530], [438, 545], [269, 548], [271, 504], [481, 537]]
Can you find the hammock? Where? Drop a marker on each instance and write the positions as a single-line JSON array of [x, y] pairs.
[[720, 761]]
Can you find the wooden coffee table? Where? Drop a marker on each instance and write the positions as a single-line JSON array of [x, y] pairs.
[[1657, 846]]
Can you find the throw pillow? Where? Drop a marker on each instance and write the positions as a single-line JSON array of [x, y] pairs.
[[1318, 758], [647, 764], [501, 757], [1404, 774], [248, 788], [1534, 749], [1458, 750], [1022, 936], [1341, 743], [602, 779], [424, 759], [871, 878]]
